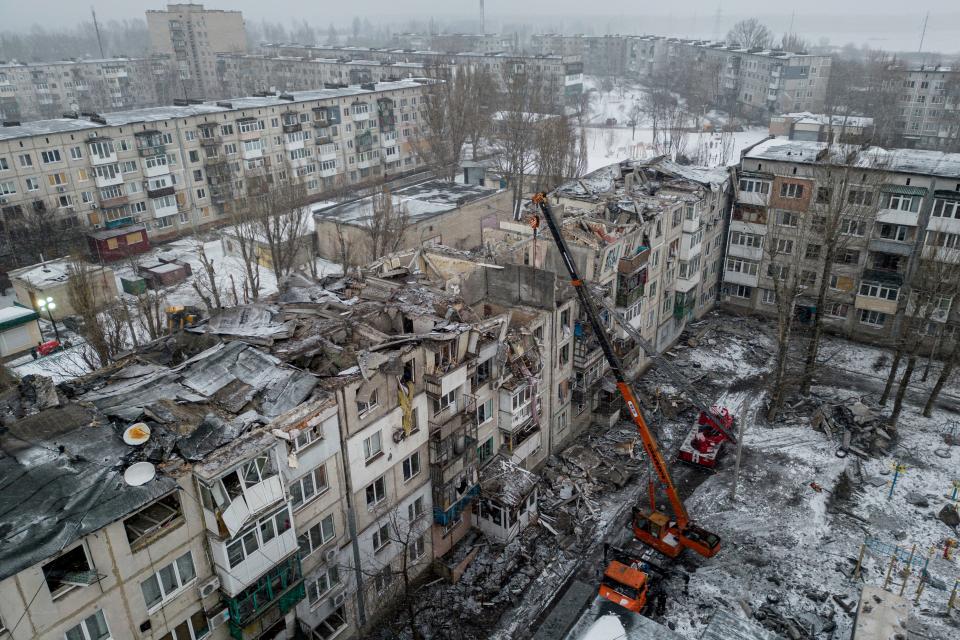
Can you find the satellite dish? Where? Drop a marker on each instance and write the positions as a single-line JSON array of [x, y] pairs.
[[139, 474], [137, 433]]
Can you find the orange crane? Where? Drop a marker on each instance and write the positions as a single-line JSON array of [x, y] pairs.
[[668, 535]]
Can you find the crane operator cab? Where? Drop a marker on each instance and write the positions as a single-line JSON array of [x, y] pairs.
[[625, 580], [656, 529]]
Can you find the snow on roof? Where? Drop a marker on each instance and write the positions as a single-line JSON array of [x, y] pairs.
[[806, 117], [159, 114], [421, 201], [47, 274], [915, 161], [9, 314]]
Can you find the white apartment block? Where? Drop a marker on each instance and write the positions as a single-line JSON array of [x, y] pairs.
[[39, 91], [927, 113], [560, 77], [192, 36], [175, 168], [245, 74], [899, 205]]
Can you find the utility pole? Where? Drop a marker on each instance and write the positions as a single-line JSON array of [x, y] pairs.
[[483, 24], [96, 27], [740, 429]]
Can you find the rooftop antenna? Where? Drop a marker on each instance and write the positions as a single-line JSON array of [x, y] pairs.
[[923, 32], [483, 26], [96, 27]]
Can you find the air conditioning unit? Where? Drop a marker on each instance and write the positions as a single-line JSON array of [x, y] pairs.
[[330, 555], [338, 599], [398, 436], [218, 618], [208, 587]]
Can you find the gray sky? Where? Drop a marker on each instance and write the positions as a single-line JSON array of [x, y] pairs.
[[888, 24]]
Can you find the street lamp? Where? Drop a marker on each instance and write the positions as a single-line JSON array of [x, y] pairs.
[[50, 305]]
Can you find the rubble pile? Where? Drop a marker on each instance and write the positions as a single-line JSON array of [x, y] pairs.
[[858, 428]]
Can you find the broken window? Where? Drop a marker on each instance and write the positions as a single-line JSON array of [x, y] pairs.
[[366, 406], [445, 401], [313, 432], [68, 571], [409, 371], [381, 537], [165, 513], [383, 579], [332, 625], [485, 411], [484, 371], [417, 548], [194, 627], [376, 492]]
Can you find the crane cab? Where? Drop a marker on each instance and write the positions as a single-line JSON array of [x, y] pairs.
[[625, 585], [657, 530]]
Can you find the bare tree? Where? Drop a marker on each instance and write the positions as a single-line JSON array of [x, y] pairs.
[[152, 312], [842, 204], [451, 112], [793, 43], [35, 232], [206, 284], [934, 284], [949, 365], [87, 297], [344, 247], [556, 152], [750, 33], [284, 222], [515, 127], [387, 225]]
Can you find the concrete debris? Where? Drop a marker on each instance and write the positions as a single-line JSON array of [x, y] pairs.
[[949, 516], [858, 427], [39, 391]]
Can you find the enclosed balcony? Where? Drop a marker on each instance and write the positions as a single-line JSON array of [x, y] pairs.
[[281, 587], [240, 560], [635, 262]]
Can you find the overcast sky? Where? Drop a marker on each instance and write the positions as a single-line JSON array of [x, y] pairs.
[[882, 23]]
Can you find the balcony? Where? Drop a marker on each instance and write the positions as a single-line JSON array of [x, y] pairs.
[[159, 192], [99, 160], [291, 127], [883, 276], [211, 141], [586, 348], [108, 181], [514, 420], [444, 516], [682, 308], [252, 154], [522, 445], [282, 586], [688, 248], [118, 201], [739, 277], [238, 575], [895, 247], [327, 173], [750, 214], [684, 284], [754, 198], [634, 263], [626, 297], [164, 210], [691, 225], [881, 305], [156, 171], [446, 378]]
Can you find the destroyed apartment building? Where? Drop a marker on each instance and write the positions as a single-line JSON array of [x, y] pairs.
[[648, 237], [262, 465]]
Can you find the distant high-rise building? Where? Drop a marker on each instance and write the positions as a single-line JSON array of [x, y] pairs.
[[192, 36]]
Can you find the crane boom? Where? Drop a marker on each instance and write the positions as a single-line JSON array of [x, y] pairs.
[[616, 368]]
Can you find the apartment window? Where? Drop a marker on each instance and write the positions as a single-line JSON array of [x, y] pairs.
[[381, 538], [194, 156], [323, 583], [68, 571], [157, 161], [365, 407], [769, 296], [376, 492], [263, 532], [417, 548], [521, 397], [250, 125], [879, 291], [33, 184], [791, 190], [8, 188], [847, 256], [372, 447], [411, 466], [808, 278], [823, 195], [902, 203], [754, 186], [853, 227], [332, 625], [230, 148], [484, 371], [415, 509], [787, 219], [738, 265], [49, 157], [943, 239], [102, 149], [4, 165], [872, 318], [138, 207], [783, 246], [193, 628], [740, 291], [860, 197], [226, 130], [317, 536], [309, 486], [746, 239], [778, 271], [893, 232], [382, 579], [25, 160], [129, 166], [189, 135], [166, 583], [92, 628], [946, 208], [838, 310], [445, 401], [162, 515]]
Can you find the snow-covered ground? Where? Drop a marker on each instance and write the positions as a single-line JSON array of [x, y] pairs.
[[788, 546]]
